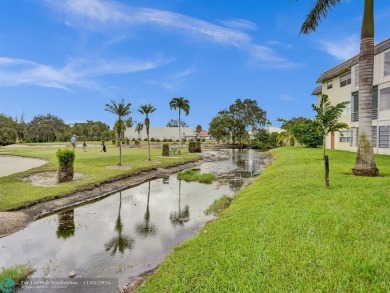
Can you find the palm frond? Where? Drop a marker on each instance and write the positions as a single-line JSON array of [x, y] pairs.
[[320, 9]]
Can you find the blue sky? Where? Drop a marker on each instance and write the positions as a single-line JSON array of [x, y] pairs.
[[71, 57]]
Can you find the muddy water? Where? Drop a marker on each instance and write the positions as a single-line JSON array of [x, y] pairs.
[[127, 233]]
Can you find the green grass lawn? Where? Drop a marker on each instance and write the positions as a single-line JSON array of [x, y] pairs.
[[92, 164], [287, 233]]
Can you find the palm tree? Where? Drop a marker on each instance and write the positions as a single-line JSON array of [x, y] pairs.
[[146, 228], [119, 242], [146, 110], [139, 128], [182, 216], [327, 118], [365, 161], [121, 110], [181, 104]]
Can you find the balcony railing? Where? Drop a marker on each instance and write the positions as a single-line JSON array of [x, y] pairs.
[[355, 115]]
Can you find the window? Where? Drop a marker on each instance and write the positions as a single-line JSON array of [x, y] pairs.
[[374, 135], [345, 136], [384, 135], [384, 99], [329, 84], [355, 107], [345, 79], [354, 136], [374, 102], [347, 109], [356, 75], [386, 65]]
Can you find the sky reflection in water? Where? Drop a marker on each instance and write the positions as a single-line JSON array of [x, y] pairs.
[[124, 234]]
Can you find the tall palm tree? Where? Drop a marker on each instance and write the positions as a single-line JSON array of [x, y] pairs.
[[365, 161], [121, 110], [146, 110], [120, 242], [146, 228], [181, 104]]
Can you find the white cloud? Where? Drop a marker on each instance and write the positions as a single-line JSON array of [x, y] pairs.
[[78, 72], [341, 48], [238, 23], [174, 81], [104, 13]]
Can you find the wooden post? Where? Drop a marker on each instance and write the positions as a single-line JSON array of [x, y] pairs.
[[326, 171]]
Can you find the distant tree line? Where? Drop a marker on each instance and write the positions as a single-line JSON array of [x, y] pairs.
[[50, 128]]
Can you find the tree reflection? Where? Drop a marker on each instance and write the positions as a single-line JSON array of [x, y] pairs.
[[66, 226], [182, 216], [146, 228], [120, 242]]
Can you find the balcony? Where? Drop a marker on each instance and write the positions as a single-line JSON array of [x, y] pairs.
[[355, 115]]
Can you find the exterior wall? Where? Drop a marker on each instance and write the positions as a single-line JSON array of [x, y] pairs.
[[339, 94], [162, 133]]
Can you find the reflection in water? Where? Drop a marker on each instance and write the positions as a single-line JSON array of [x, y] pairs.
[[182, 216], [66, 226], [119, 242], [146, 228], [104, 245]]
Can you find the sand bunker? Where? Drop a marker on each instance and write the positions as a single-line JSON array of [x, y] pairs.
[[14, 164], [47, 178]]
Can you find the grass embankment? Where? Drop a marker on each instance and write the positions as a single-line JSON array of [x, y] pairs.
[[287, 233], [94, 165], [17, 273]]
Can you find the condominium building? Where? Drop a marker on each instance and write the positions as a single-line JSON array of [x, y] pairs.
[[341, 83]]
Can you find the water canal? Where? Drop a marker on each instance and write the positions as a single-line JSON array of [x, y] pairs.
[[129, 232]]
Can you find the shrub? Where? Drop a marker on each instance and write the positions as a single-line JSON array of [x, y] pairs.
[[170, 140], [127, 141], [165, 150], [191, 175], [164, 140], [219, 205], [114, 141], [65, 161], [158, 140], [133, 139], [203, 140], [198, 147], [145, 139], [191, 147], [152, 139]]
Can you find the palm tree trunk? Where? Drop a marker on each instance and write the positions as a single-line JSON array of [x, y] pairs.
[[323, 146], [365, 161], [148, 146], [179, 134]]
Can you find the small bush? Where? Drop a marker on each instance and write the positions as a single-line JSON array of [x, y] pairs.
[[133, 139], [219, 205], [127, 141], [17, 273], [158, 140], [191, 147], [198, 147], [114, 141], [145, 139], [170, 140], [65, 161], [191, 175], [165, 150], [165, 140]]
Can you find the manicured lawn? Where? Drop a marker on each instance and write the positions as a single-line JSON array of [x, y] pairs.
[[287, 233], [93, 164]]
